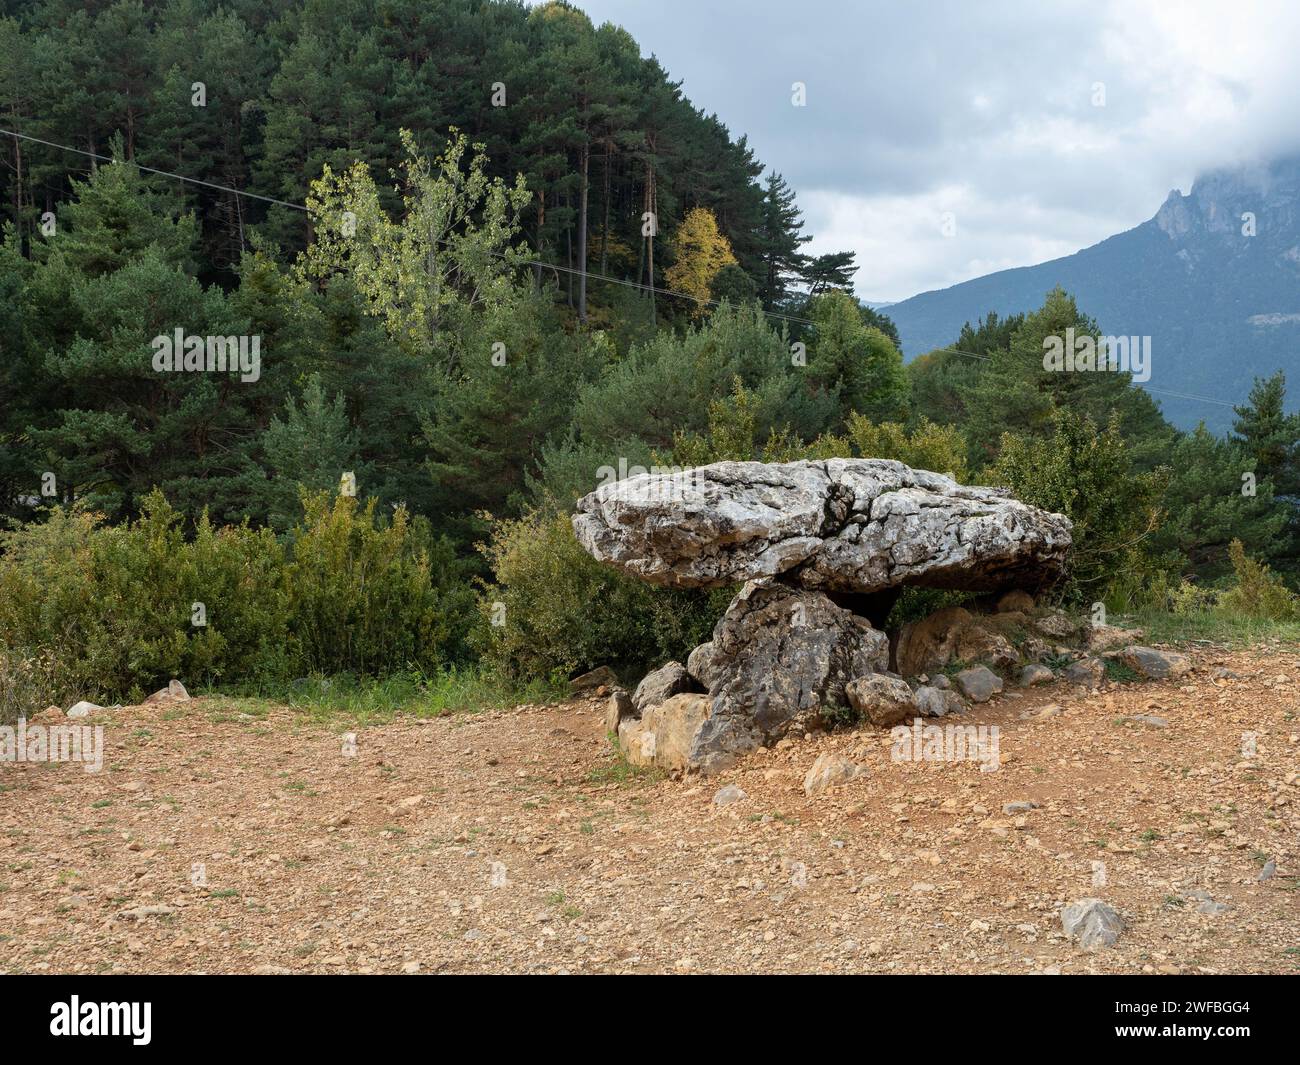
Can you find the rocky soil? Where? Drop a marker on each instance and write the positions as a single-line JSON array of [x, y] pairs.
[[516, 841]]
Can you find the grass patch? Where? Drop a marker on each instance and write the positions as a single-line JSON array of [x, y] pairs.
[[1118, 672], [377, 700], [1219, 627], [621, 771]]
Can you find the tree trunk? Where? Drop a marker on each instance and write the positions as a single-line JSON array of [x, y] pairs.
[[654, 215], [18, 186], [604, 225], [583, 189], [568, 259]]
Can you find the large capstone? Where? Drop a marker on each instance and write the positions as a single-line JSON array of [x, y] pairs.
[[836, 525]]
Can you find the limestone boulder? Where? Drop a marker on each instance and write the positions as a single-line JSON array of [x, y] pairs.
[[668, 680], [840, 525], [882, 700]]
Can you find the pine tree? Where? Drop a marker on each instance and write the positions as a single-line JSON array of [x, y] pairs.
[[1217, 494], [854, 362], [1271, 435], [1017, 392], [780, 238], [832, 270], [309, 449]]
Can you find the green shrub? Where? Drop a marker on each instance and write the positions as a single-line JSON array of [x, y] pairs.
[[371, 598], [1087, 474], [117, 607], [559, 611], [1188, 599], [30, 683], [1258, 592]]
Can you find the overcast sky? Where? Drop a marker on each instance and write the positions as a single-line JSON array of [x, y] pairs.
[[984, 111]]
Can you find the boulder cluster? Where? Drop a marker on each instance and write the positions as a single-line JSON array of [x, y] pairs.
[[821, 550]]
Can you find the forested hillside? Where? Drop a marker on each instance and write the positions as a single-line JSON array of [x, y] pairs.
[[472, 259]]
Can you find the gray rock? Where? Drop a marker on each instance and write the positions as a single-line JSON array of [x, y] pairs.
[[668, 680], [829, 771], [139, 913], [1153, 664], [1086, 671], [1107, 637], [1091, 923], [1034, 674], [979, 684], [617, 708], [932, 701], [882, 700], [699, 664], [1042, 713], [941, 682], [1151, 720], [174, 693], [594, 679], [83, 709], [725, 796], [1032, 649], [780, 654], [851, 525], [1057, 625]]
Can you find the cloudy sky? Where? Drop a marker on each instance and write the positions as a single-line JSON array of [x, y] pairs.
[[1040, 128]]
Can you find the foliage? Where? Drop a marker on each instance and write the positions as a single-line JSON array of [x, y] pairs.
[[1087, 474], [125, 608], [561, 612], [450, 249], [1257, 593], [1212, 499], [854, 362], [701, 252]]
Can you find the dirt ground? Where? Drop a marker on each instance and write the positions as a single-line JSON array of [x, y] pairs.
[[514, 841]]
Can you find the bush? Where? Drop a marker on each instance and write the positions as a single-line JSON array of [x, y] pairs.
[[561, 612], [1087, 474], [117, 607], [30, 683], [1258, 593], [370, 599]]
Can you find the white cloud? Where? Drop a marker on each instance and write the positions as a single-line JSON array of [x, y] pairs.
[[984, 110]]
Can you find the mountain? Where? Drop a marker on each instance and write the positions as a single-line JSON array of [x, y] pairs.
[[1221, 306]]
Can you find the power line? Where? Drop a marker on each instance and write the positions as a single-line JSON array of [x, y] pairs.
[[305, 209], [524, 262], [153, 170]]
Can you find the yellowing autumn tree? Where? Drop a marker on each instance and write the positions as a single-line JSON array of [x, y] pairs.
[[701, 251]]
